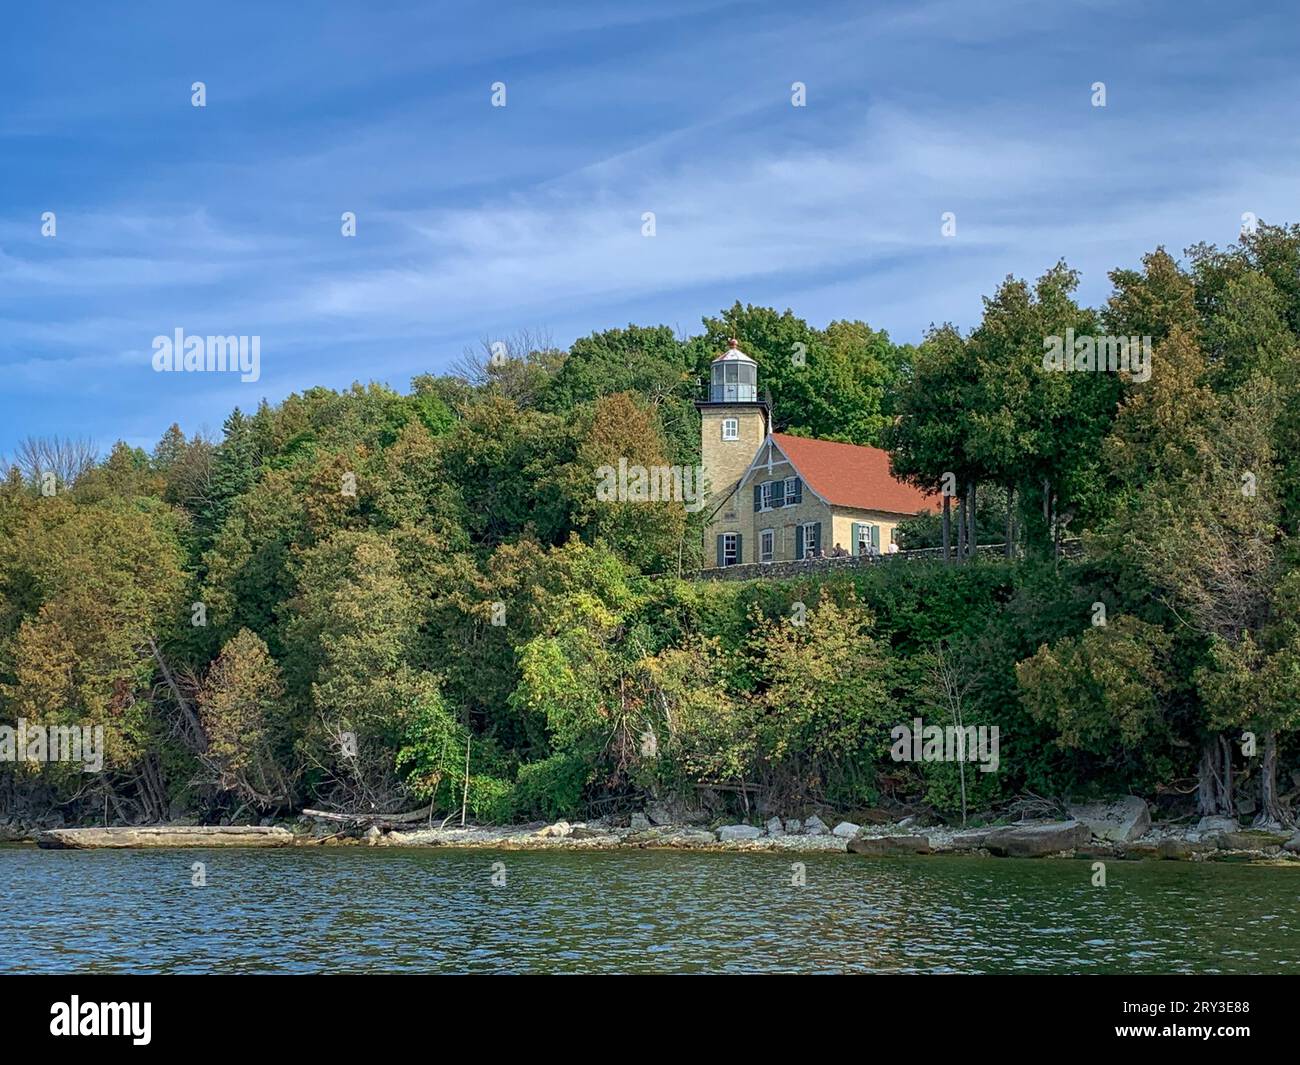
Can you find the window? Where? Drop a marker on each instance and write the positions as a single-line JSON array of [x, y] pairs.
[[730, 429], [772, 494], [729, 549], [766, 540], [866, 538], [808, 540]]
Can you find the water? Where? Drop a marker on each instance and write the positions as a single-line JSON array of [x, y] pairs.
[[383, 910]]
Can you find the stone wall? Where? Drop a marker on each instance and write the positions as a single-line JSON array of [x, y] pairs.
[[807, 567]]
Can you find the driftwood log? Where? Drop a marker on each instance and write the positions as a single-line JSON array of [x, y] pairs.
[[404, 818]]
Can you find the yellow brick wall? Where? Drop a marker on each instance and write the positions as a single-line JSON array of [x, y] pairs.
[[725, 461], [845, 518]]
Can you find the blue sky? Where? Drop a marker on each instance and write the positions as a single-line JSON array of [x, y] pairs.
[[475, 221]]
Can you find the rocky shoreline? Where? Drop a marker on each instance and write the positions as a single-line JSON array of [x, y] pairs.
[[1120, 830]]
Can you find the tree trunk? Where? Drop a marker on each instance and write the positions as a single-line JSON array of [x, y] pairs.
[[1214, 779], [1207, 781], [1227, 804], [1271, 812], [972, 540], [961, 525], [1011, 522], [947, 528]]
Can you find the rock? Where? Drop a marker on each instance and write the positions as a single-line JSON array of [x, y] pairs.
[[658, 814], [373, 835], [1250, 841], [1116, 822], [888, 846], [559, 830], [672, 836], [163, 836], [793, 827], [970, 840], [727, 832], [1034, 841], [1179, 850], [1293, 844], [1168, 850], [640, 822], [815, 826], [1217, 824], [875, 817], [587, 832], [908, 821], [846, 830], [774, 827]]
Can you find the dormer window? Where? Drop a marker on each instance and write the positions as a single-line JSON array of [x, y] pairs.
[[730, 429]]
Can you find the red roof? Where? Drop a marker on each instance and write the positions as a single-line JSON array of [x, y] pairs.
[[849, 475]]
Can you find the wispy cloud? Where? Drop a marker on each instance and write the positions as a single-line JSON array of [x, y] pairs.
[[474, 220]]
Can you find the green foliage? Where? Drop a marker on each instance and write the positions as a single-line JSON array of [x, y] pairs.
[[386, 577], [551, 788]]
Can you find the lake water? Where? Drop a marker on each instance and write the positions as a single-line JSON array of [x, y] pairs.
[[381, 910]]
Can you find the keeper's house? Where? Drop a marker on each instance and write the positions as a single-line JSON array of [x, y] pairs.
[[777, 498]]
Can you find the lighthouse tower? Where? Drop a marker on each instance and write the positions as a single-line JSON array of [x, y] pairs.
[[734, 422]]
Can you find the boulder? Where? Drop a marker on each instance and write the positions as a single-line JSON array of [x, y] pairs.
[[727, 832], [559, 830], [1293, 844], [373, 835], [1179, 850], [793, 827], [815, 826], [1034, 841], [971, 839], [889, 846], [775, 827], [846, 830], [683, 837], [1116, 822], [658, 814], [1217, 824], [588, 832], [640, 822], [1250, 841]]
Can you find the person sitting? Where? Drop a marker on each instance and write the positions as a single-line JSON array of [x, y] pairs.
[[839, 552]]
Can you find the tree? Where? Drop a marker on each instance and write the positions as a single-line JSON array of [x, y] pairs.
[[244, 716], [1101, 690]]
